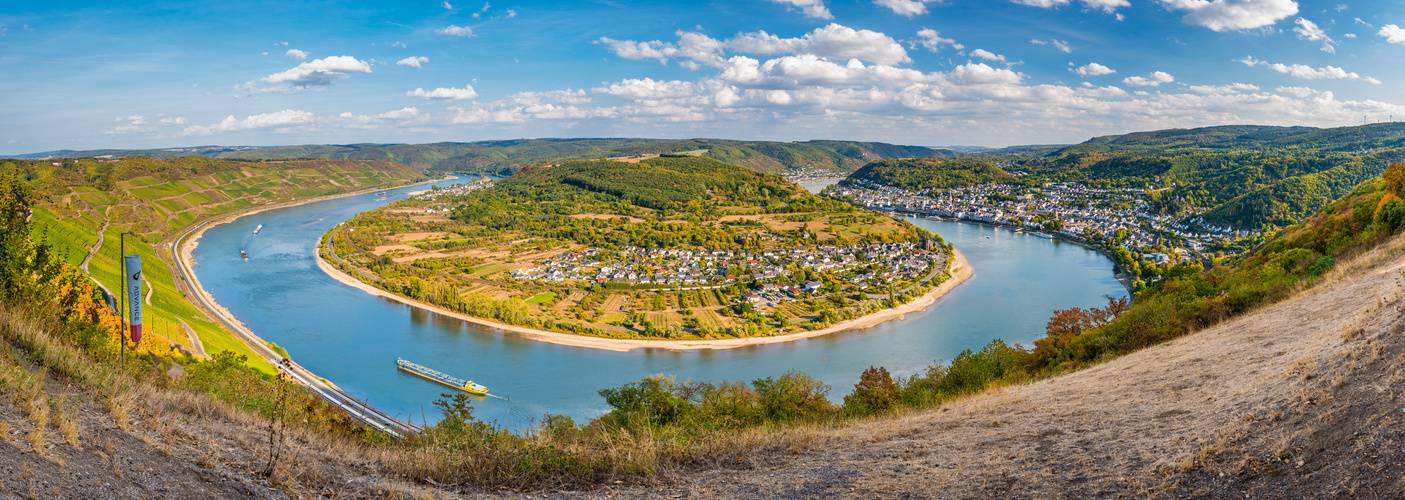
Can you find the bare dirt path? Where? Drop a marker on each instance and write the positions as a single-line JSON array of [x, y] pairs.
[[96, 246], [195, 343]]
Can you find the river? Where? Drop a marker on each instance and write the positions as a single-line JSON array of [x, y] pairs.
[[817, 186], [352, 338]]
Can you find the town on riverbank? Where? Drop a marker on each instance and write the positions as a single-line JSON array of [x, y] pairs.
[[756, 257], [1117, 222]]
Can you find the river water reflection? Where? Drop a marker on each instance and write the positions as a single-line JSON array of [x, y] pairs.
[[353, 338]]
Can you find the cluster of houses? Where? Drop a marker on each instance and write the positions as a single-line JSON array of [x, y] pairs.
[[1079, 211], [809, 173], [454, 190], [858, 264]]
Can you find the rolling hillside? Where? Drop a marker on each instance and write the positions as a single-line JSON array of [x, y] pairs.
[[931, 173], [1241, 176], [1374, 136], [86, 204]]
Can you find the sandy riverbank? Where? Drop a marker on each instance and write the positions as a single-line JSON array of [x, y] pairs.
[[961, 271]]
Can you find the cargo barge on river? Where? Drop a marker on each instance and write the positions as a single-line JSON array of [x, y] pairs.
[[437, 376]]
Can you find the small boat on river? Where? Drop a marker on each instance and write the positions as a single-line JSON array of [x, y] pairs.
[[257, 229], [455, 382], [244, 255]]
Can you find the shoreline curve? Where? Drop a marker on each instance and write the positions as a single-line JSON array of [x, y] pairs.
[[961, 271], [183, 245]]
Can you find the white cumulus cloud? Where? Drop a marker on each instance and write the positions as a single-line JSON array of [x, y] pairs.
[[1310, 73], [275, 119], [1154, 79], [1093, 69], [400, 114], [811, 8], [1300, 92], [413, 62], [135, 123], [833, 41], [452, 30], [1392, 33], [987, 55], [1231, 15], [933, 41], [1108, 6], [1308, 30], [445, 94], [319, 72], [907, 8], [648, 89], [1223, 89], [981, 74], [296, 54], [630, 49]]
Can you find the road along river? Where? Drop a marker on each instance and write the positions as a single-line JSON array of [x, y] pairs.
[[353, 338]]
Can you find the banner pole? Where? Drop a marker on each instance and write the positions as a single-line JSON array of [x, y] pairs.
[[122, 335]]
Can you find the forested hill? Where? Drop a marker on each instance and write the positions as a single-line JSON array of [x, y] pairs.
[[655, 183], [510, 155], [1346, 139], [931, 173], [1240, 176]]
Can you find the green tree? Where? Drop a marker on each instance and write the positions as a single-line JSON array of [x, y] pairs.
[[876, 392]]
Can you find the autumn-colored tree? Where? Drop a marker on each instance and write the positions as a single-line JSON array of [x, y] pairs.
[[875, 393], [1067, 324], [1395, 179]]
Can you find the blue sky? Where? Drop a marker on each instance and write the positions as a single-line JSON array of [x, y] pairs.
[[85, 75]]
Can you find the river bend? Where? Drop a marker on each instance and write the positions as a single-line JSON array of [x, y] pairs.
[[352, 338]]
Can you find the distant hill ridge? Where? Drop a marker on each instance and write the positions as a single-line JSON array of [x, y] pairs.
[[1387, 135], [505, 156]]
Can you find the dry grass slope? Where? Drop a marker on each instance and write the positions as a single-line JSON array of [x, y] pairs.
[[72, 428]]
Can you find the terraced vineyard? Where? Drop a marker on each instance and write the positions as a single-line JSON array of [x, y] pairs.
[[92, 202]]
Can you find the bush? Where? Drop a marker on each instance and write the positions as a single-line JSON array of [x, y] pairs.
[[793, 396], [1321, 266], [1391, 215], [972, 372], [875, 393], [726, 405], [459, 430], [654, 399]]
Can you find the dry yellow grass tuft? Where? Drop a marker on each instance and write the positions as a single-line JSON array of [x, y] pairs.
[[36, 440], [69, 429], [37, 411]]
